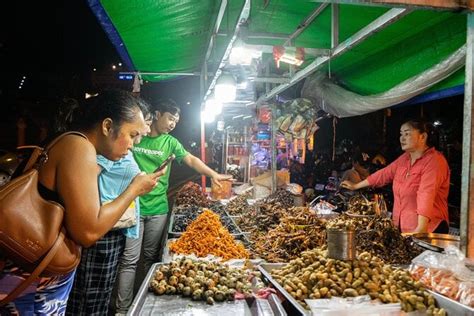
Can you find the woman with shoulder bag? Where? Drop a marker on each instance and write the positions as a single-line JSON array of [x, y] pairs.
[[111, 122], [96, 274]]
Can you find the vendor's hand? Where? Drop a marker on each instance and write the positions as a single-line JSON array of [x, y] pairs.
[[346, 184], [219, 177], [144, 183]]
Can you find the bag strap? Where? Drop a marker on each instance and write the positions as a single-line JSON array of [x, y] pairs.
[[37, 271], [33, 157], [41, 154], [54, 141]]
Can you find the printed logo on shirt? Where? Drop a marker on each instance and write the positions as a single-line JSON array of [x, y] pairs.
[[148, 151]]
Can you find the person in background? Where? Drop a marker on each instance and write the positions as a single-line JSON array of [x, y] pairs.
[[96, 274], [149, 154], [359, 170], [420, 180], [282, 159], [110, 123]]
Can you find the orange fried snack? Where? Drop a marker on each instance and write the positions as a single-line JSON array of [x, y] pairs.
[[205, 236]]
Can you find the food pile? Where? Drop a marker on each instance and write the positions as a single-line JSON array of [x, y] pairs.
[[191, 194], [238, 206], [206, 236], [299, 230], [182, 219], [360, 205], [281, 197], [313, 275], [383, 239], [202, 280], [378, 236]]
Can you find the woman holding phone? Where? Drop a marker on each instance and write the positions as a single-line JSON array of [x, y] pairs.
[[151, 152]]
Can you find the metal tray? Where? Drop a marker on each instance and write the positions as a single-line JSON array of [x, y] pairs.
[[175, 234], [297, 308], [436, 242], [452, 307], [147, 303]]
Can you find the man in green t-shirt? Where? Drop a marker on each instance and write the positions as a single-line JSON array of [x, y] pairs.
[[149, 154]]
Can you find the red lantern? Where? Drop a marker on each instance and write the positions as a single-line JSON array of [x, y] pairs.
[[265, 115]]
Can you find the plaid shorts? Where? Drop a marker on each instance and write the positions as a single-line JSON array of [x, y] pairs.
[[95, 276]]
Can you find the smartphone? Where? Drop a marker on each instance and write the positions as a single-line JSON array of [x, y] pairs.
[[165, 163]]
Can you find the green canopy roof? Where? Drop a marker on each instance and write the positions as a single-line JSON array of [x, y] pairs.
[[173, 37]]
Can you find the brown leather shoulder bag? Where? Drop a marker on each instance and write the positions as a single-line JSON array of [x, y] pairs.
[[31, 228]]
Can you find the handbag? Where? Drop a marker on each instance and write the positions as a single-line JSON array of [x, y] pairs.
[[32, 234], [128, 218]]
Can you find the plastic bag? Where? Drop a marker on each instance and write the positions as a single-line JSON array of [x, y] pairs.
[[445, 273], [465, 294], [349, 306]]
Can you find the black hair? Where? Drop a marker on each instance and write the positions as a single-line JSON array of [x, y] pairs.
[[424, 126], [118, 105], [166, 105]]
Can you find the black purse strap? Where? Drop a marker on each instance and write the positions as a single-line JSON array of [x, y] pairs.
[[37, 271]]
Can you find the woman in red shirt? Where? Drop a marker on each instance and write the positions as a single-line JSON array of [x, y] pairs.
[[420, 180]]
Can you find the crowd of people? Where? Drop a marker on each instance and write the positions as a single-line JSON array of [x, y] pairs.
[[109, 169]]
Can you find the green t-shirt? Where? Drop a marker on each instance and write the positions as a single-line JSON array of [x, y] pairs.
[[149, 154]]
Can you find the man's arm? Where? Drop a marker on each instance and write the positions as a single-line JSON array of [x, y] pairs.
[[199, 166]]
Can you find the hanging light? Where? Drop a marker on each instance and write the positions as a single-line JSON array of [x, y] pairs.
[[207, 117], [289, 55], [226, 87], [213, 106], [242, 54]]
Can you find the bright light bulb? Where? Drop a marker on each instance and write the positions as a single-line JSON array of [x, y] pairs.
[[207, 117], [226, 89], [213, 106]]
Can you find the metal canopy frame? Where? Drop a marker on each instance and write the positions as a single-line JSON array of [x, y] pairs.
[[378, 24], [467, 175], [426, 4], [399, 9]]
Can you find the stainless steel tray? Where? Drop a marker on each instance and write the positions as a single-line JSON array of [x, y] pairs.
[[451, 306], [265, 269], [436, 242], [147, 303], [174, 234]]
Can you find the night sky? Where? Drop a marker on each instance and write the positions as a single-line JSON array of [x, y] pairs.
[[56, 45], [57, 36]]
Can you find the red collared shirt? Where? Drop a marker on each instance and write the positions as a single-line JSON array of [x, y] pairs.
[[418, 189]]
